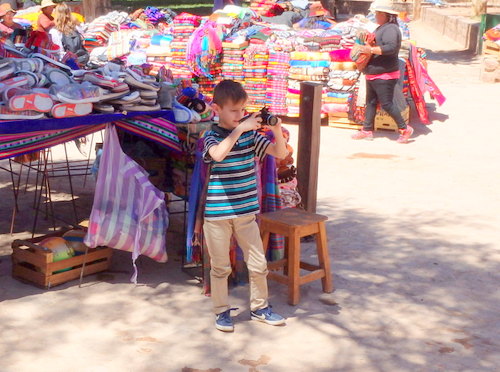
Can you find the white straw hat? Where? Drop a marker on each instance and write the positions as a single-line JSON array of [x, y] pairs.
[[46, 3], [385, 6]]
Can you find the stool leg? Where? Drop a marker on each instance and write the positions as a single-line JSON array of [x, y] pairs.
[[293, 269], [324, 258], [285, 256], [265, 239]]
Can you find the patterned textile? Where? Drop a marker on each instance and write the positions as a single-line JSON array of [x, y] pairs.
[[128, 213], [23, 137], [155, 129], [19, 144]]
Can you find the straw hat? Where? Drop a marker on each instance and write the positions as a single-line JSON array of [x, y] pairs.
[[385, 6], [46, 3], [5, 8]]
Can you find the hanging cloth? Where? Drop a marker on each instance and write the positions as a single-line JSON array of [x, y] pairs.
[[128, 213]]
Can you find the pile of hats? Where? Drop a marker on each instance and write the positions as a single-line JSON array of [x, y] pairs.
[[184, 25], [233, 60], [255, 70], [277, 81]]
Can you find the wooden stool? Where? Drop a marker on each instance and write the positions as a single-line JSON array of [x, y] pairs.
[[294, 224]]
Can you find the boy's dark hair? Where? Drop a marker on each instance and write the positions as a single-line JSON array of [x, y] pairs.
[[229, 90]]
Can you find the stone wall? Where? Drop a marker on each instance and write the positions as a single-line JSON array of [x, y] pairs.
[[463, 30]]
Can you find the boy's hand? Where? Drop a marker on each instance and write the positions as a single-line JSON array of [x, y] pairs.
[[252, 123], [276, 129]]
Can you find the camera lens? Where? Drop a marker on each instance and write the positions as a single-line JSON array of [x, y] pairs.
[[272, 120]]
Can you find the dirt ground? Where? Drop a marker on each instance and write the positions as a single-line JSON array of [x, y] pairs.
[[413, 234]]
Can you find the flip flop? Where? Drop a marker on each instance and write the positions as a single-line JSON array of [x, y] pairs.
[[32, 77], [14, 82], [46, 59], [67, 110], [182, 113], [105, 109], [57, 77], [148, 94], [7, 71], [147, 102], [140, 108], [8, 114], [35, 102]]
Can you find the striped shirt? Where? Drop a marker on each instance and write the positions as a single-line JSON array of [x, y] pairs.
[[232, 188]]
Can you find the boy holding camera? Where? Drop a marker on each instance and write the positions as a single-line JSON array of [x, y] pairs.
[[232, 201]]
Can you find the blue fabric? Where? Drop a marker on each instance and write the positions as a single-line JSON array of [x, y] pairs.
[[26, 126], [195, 191]]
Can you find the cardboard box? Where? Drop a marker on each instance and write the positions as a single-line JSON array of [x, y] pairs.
[[384, 121]]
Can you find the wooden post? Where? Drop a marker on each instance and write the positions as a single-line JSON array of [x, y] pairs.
[[308, 144], [95, 8], [417, 9]]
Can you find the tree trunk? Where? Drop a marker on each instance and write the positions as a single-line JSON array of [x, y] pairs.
[[479, 7], [95, 8]]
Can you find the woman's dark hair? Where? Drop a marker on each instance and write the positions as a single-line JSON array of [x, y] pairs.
[[392, 18]]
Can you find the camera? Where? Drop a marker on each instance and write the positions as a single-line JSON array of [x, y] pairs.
[[267, 117]]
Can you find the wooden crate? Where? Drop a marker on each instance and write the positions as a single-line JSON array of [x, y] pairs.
[[33, 263], [492, 49], [384, 121], [344, 123]]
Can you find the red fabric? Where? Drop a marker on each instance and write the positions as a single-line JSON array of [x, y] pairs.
[[417, 95], [385, 76]]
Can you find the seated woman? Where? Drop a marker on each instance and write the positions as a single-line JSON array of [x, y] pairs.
[[66, 35], [7, 24]]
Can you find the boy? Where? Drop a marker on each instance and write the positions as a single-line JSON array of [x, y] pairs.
[[232, 201]]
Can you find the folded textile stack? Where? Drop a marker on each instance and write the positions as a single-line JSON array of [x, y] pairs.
[[343, 75], [277, 81], [305, 66], [336, 103], [207, 85], [262, 6], [233, 60], [255, 70], [99, 30], [309, 66], [330, 40], [184, 25], [159, 53]]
